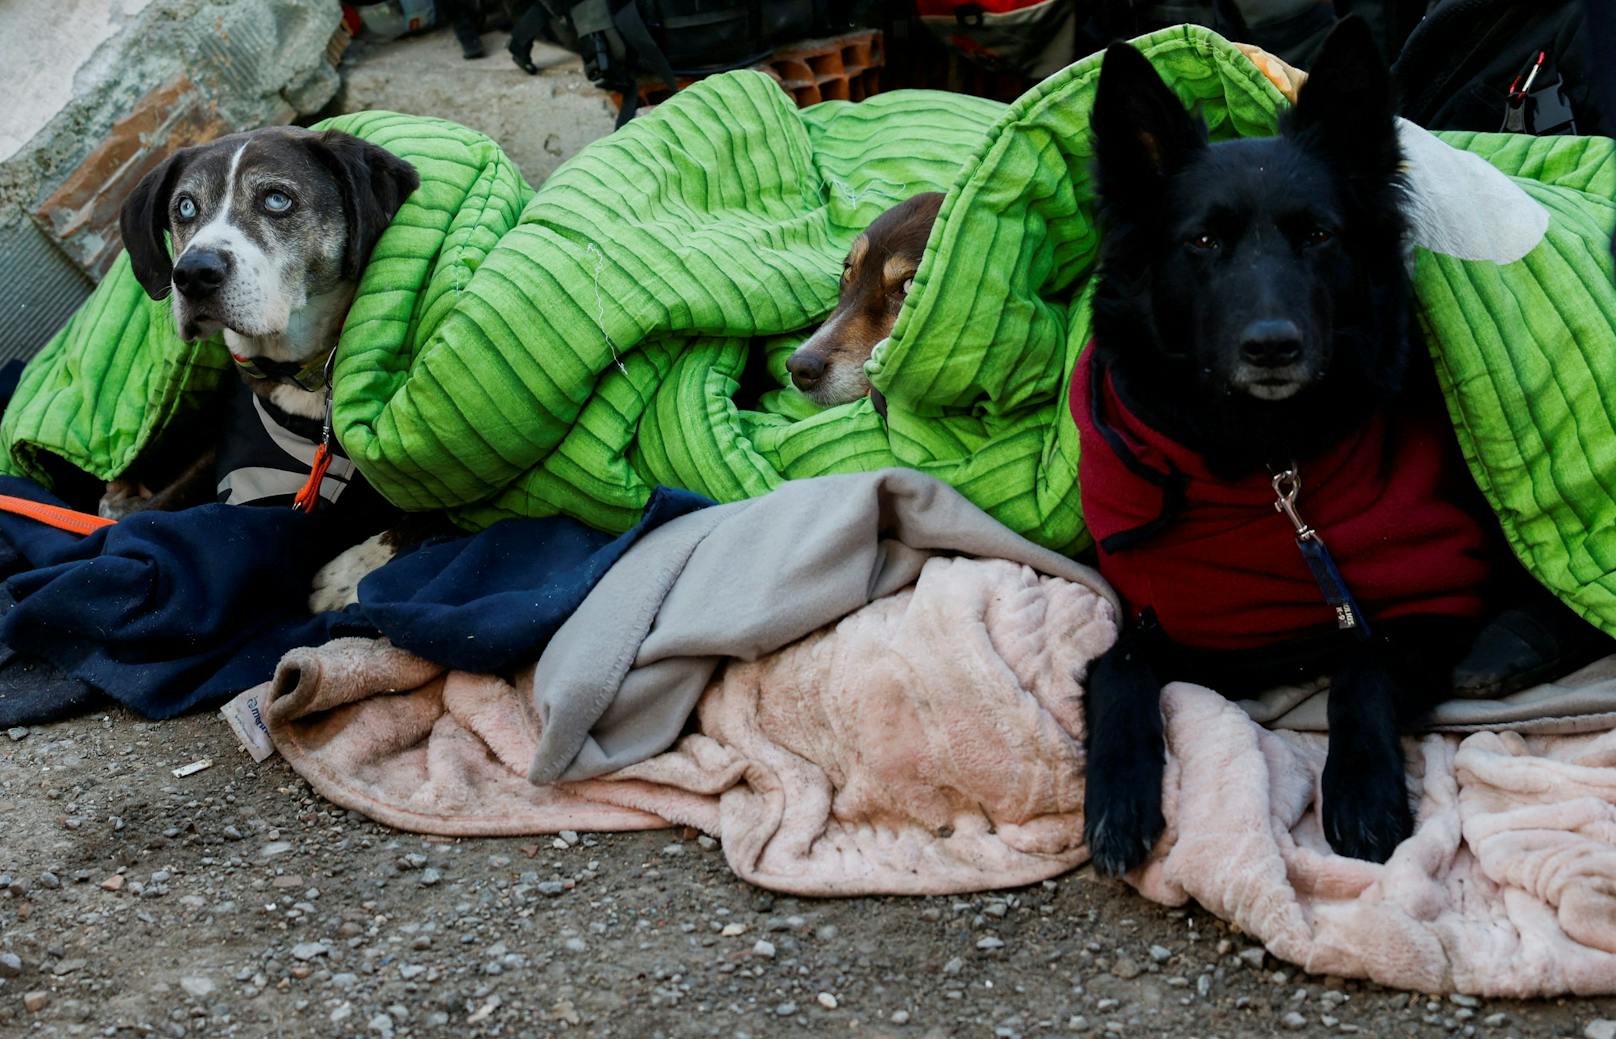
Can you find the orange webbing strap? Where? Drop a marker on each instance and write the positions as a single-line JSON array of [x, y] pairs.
[[55, 515], [309, 496]]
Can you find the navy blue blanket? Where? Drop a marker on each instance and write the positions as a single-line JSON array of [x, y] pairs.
[[175, 611]]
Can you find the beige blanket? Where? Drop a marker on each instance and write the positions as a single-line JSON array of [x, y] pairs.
[[931, 742], [1507, 888], [923, 744]]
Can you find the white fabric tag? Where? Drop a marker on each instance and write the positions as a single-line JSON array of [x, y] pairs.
[[246, 720], [1461, 205]]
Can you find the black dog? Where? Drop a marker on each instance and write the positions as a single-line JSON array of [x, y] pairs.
[[1252, 332]]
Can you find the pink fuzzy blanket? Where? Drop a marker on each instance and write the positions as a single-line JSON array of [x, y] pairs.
[[931, 742]]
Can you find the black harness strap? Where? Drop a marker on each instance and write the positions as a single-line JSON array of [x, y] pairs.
[[1172, 482]]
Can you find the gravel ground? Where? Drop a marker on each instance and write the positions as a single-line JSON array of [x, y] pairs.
[[235, 902]]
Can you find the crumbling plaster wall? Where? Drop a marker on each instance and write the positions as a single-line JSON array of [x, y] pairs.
[[93, 93]]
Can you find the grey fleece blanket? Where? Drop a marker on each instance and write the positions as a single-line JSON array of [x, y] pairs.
[[1584, 701], [619, 680]]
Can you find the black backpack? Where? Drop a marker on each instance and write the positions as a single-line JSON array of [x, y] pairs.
[[1521, 66], [621, 40]]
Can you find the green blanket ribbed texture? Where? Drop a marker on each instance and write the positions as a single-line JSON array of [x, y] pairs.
[[1527, 357], [517, 353]]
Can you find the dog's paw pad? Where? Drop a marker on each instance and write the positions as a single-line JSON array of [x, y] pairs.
[[1121, 828], [1359, 836], [1366, 820]]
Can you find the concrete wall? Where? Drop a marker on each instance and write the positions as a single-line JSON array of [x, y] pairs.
[[105, 90], [66, 35]]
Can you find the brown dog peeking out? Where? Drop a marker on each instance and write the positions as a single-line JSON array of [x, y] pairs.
[[876, 276]]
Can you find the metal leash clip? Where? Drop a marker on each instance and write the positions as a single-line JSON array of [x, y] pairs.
[[1349, 616], [1287, 485]]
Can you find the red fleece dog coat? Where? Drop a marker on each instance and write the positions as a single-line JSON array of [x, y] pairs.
[[1220, 566]]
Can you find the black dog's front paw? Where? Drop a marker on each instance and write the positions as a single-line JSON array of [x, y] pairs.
[[1366, 814], [1122, 814]]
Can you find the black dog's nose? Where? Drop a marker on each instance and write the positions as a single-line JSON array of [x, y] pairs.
[[200, 272], [1271, 344], [806, 370]]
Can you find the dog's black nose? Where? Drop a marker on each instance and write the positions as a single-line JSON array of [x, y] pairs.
[[1273, 343], [806, 370], [200, 272]]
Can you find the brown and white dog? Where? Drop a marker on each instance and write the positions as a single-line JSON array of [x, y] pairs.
[[270, 231], [876, 278]]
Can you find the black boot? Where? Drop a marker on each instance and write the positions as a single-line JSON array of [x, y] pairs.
[[471, 44], [462, 18], [523, 59], [530, 24]]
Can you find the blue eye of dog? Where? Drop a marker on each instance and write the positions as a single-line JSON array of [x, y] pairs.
[[185, 208], [1204, 242], [278, 202]]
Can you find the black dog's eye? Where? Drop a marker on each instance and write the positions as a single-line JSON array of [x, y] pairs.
[[185, 209], [1204, 242], [277, 202], [908, 283], [1318, 236]]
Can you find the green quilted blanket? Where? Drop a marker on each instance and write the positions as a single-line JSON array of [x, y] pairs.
[[514, 352]]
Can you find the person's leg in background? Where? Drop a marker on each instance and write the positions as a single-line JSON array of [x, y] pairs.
[[462, 18], [531, 21]]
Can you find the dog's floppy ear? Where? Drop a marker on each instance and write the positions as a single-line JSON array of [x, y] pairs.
[[143, 221], [1141, 131], [1346, 107], [374, 184]]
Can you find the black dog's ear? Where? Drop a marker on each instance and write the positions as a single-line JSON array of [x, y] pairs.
[[374, 184], [144, 219], [1141, 131], [1346, 107]]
